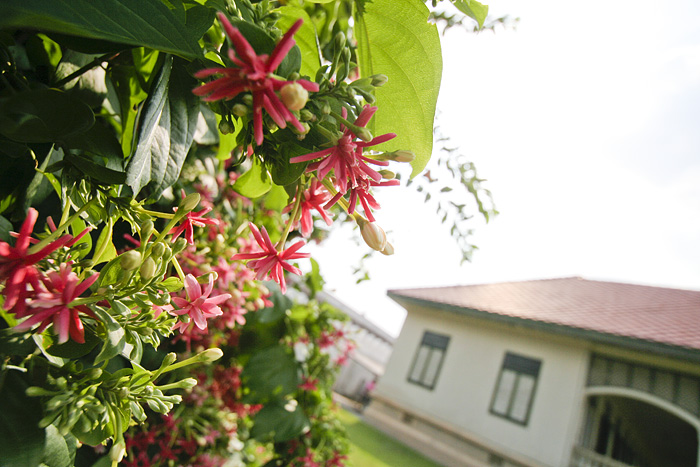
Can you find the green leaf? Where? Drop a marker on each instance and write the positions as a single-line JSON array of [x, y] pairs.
[[95, 169], [57, 452], [277, 198], [146, 23], [102, 141], [276, 423], [115, 339], [43, 116], [72, 349], [271, 374], [104, 248], [166, 126], [5, 229], [305, 38], [172, 284], [283, 173], [254, 183], [475, 10], [394, 38], [21, 439], [76, 227]]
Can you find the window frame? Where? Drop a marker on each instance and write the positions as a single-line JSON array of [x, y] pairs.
[[521, 366], [437, 345]]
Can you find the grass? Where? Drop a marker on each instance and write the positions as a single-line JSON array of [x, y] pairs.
[[370, 447]]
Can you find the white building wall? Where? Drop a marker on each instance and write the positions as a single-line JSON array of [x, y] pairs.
[[465, 386]]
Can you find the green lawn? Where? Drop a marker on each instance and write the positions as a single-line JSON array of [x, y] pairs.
[[370, 447]]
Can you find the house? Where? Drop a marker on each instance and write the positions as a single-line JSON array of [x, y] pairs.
[[559, 372], [369, 357]]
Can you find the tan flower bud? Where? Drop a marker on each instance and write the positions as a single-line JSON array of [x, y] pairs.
[[388, 249], [387, 174], [373, 235], [404, 156], [363, 133], [294, 96], [116, 454], [379, 80]]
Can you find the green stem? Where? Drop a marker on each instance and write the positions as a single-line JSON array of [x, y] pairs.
[[178, 268], [84, 69], [59, 230], [293, 217]]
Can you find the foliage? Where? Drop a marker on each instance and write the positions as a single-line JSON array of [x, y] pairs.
[[162, 159]]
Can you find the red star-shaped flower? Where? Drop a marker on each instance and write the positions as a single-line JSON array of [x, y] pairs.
[[271, 262], [255, 74]]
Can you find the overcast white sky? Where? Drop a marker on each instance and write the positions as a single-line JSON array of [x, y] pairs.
[[586, 123]]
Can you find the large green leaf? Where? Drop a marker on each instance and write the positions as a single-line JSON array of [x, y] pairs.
[[305, 38], [254, 183], [271, 374], [277, 423], [166, 126], [43, 116], [395, 39], [21, 439], [475, 10], [147, 23]]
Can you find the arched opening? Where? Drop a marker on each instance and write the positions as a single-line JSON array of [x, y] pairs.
[[638, 432]]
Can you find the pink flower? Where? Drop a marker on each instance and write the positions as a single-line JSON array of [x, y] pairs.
[[17, 263], [361, 192], [198, 305], [52, 304], [314, 198], [255, 74], [345, 158], [192, 219], [269, 261], [309, 384]]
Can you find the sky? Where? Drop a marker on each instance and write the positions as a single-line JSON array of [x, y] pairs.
[[585, 121]]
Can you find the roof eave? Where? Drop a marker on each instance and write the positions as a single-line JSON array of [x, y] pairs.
[[667, 350]]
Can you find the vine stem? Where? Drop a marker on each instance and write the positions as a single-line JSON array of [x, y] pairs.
[[85, 68], [293, 218]]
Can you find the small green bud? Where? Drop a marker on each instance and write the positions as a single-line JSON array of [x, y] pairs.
[[168, 360], [306, 116], [130, 260], [387, 174], [188, 383], [116, 454], [146, 230], [148, 269], [339, 40], [210, 355], [239, 110], [226, 127], [158, 250], [179, 245], [189, 202], [248, 100], [293, 76], [306, 126], [379, 80], [326, 108]]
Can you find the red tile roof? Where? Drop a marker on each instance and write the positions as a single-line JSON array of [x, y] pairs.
[[655, 314]]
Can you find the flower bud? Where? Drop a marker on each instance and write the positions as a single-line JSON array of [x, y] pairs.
[[189, 202], [293, 76], [130, 260], [187, 383], [179, 245], [363, 133], [294, 96], [158, 250], [116, 454], [248, 100], [148, 269], [239, 110], [306, 129], [168, 360], [210, 355], [387, 174], [388, 249], [146, 230], [379, 80], [339, 40], [373, 235], [306, 116], [326, 108], [225, 126], [404, 156]]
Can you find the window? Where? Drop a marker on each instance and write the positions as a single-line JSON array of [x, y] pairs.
[[515, 388], [428, 360]]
